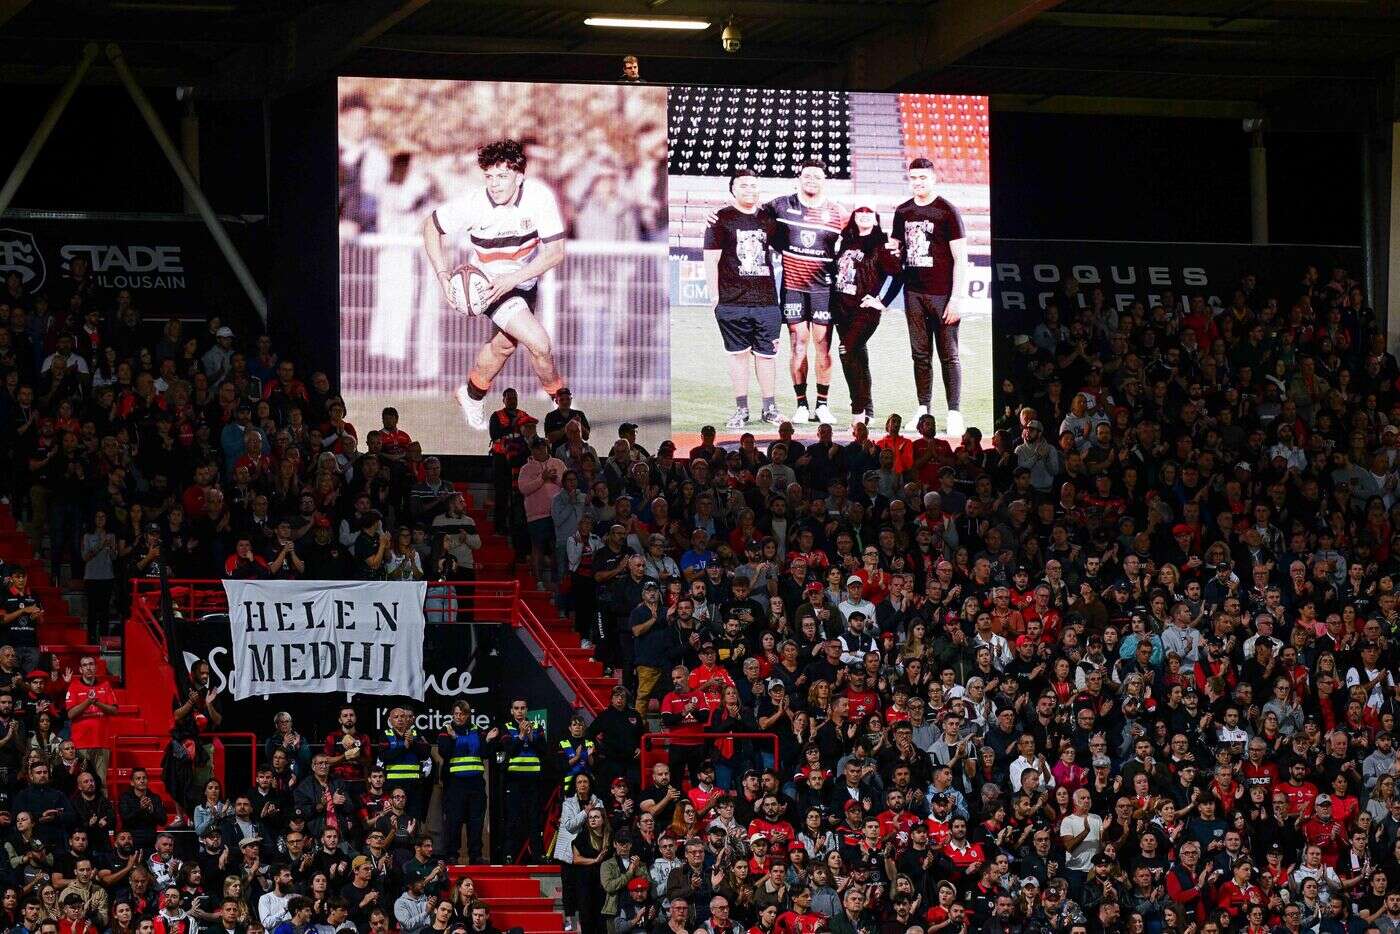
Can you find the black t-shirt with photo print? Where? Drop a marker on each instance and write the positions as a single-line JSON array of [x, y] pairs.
[[924, 232], [745, 269]]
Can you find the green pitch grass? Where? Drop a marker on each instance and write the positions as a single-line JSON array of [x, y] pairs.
[[701, 395], [436, 421]]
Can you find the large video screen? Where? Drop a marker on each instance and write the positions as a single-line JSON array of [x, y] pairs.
[[853, 263], [588, 202], [674, 258]]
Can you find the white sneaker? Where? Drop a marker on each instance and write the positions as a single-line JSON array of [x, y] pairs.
[[802, 416], [859, 419], [824, 415], [473, 409], [738, 420], [771, 415], [919, 413], [955, 426]]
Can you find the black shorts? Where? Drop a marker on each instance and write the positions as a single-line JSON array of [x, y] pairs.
[[750, 328], [807, 306], [506, 307]]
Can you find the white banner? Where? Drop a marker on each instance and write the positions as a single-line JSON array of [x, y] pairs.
[[312, 637]]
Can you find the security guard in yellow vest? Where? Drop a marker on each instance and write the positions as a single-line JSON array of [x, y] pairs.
[[403, 754], [524, 748], [461, 758], [575, 753]]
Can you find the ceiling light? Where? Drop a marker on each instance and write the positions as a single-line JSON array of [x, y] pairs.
[[645, 22]]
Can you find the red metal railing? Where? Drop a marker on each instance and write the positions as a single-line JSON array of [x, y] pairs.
[[553, 656], [656, 746], [476, 602]]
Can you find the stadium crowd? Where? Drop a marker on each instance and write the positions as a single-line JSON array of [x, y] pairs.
[[1128, 667]]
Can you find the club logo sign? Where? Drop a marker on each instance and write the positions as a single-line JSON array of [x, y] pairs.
[[19, 252]]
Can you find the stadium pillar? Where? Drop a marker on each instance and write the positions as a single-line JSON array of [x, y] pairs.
[[192, 190], [189, 146], [1258, 189], [1392, 248], [41, 133]]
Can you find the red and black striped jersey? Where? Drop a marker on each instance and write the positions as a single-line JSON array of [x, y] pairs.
[[809, 235]]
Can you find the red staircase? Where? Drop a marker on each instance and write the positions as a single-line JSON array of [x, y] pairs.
[[141, 707], [537, 615], [515, 895]]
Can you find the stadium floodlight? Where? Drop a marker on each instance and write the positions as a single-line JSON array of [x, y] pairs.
[[647, 22]]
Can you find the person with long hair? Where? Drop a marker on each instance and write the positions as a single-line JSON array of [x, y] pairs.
[[863, 263], [590, 848]]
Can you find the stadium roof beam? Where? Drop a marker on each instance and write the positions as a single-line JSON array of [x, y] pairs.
[[841, 10], [488, 45], [1191, 68], [1309, 27], [1127, 106], [9, 9], [311, 46], [898, 57]]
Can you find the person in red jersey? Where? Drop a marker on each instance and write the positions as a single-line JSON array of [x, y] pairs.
[[1255, 770], [686, 711], [709, 670], [88, 701], [1188, 881], [1300, 792], [1235, 896], [800, 919], [896, 818], [770, 821], [963, 857], [704, 794], [1323, 831]]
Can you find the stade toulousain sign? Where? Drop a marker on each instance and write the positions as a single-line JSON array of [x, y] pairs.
[[168, 266], [1028, 274], [358, 637]]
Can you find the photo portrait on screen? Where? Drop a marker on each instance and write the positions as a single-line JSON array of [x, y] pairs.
[[499, 236], [831, 260]]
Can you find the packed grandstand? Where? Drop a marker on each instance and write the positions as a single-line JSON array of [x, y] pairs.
[[1126, 663]]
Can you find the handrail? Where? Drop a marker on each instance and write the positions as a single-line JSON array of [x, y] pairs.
[[472, 602], [556, 658], [494, 599], [650, 742]]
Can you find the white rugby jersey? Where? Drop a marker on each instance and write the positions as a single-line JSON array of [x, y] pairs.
[[503, 237]]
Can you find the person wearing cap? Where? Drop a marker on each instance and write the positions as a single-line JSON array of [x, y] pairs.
[[854, 600], [655, 643], [709, 671], [636, 909], [218, 359], [322, 556], [414, 908], [1038, 456], [617, 872], [617, 731]]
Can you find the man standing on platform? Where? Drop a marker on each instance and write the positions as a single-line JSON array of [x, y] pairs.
[[461, 757], [88, 701], [402, 753], [525, 748]]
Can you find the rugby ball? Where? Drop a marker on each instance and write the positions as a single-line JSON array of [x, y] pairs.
[[470, 287]]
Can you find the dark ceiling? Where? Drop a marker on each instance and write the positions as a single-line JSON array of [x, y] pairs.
[[1334, 59]]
